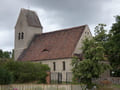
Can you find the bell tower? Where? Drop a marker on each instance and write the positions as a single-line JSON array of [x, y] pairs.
[[28, 24]]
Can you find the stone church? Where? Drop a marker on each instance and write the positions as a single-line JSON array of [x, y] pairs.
[[55, 49]]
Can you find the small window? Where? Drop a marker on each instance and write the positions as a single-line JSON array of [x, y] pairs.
[[63, 65], [44, 50], [22, 35], [54, 66], [18, 36]]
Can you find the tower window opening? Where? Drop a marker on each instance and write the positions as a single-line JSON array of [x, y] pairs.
[[22, 35], [18, 36]]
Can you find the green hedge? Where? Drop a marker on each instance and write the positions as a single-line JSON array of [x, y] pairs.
[[6, 77], [24, 72]]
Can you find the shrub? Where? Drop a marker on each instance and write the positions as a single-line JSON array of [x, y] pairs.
[[43, 73], [27, 71], [6, 77]]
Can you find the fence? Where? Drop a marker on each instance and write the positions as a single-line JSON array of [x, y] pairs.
[[40, 87], [57, 77], [113, 80], [69, 77]]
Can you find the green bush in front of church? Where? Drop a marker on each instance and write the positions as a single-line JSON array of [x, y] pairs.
[[6, 77], [25, 72]]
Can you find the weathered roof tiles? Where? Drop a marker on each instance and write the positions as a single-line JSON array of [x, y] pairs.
[[32, 18], [53, 45]]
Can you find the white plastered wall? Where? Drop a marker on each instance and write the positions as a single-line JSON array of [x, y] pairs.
[[59, 66]]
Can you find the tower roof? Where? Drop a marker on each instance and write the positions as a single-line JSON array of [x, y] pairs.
[[32, 18]]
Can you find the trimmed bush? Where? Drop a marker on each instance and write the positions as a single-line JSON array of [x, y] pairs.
[[25, 72]]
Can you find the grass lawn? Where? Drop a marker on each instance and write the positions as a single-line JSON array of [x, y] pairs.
[[116, 86]]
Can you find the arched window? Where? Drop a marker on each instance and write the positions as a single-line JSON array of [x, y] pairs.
[[22, 35], [18, 36]]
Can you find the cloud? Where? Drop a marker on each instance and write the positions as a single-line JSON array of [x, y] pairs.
[[70, 13], [73, 12], [48, 21], [9, 10], [8, 13], [56, 14], [6, 39]]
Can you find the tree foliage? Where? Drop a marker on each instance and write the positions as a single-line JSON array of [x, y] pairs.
[[24, 72], [1, 53], [102, 37], [6, 77], [92, 66], [4, 54], [114, 46], [100, 33]]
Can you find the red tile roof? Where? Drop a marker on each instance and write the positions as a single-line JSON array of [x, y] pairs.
[[53, 45]]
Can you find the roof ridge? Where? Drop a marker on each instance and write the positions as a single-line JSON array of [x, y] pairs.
[[66, 29], [24, 9]]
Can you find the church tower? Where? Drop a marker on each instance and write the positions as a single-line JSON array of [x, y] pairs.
[[27, 26]]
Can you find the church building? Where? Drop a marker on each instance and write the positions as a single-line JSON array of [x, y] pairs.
[[55, 49]]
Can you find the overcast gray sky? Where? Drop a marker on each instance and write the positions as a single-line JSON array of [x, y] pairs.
[[56, 14]]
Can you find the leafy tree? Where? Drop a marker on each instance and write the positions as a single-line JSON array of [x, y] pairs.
[[100, 33], [1, 53], [91, 66], [6, 54], [114, 46]]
